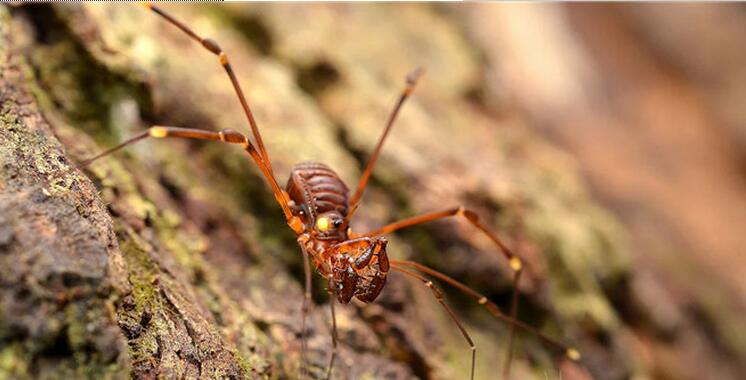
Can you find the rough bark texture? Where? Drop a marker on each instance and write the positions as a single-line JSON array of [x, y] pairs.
[[171, 260], [61, 265]]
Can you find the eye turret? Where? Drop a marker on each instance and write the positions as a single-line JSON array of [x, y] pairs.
[[328, 222], [323, 224]]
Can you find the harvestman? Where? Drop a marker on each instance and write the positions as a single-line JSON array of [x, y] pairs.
[[317, 208]]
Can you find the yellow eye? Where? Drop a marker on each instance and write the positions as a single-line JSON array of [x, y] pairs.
[[322, 224]]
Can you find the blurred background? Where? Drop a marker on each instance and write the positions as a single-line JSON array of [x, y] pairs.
[[647, 101], [606, 144]]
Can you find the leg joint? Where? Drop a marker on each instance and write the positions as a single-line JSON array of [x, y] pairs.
[[231, 136], [212, 46], [468, 214], [516, 264], [158, 132]]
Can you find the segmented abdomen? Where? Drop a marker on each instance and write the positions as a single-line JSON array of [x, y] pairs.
[[317, 189]]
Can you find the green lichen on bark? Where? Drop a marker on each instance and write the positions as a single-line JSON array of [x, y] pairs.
[[76, 82], [59, 265]]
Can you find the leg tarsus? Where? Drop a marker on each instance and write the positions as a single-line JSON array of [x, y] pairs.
[[411, 81], [439, 297], [511, 330], [570, 352], [334, 332], [306, 306], [305, 310], [516, 264], [513, 260]]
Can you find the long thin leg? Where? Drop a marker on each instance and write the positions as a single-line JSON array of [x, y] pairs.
[[439, 296], [515, 262], [511, 330], [214, 48], [355, 200], [227, 136], [305, 309], [260, 157], [570, 352], [334, 331]]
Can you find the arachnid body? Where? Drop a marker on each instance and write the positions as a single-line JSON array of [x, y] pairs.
[[318, 207]]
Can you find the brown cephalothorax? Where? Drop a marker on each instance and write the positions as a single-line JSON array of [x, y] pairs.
[[317, 208], [317, 193]]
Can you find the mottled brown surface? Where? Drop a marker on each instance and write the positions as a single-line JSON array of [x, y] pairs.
[[59, 257], [204, 279]]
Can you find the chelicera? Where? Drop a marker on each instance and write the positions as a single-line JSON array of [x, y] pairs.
[[317, 207]]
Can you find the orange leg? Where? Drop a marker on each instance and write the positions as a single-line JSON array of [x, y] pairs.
[[334, 330], [570, 352], [511, 331], [515, 262], [260, 157], [302, 241], [214, 48], [227, 136], [355, 200], [439, 296]]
